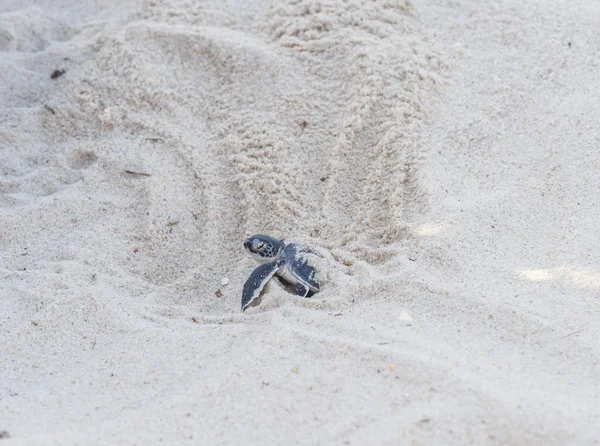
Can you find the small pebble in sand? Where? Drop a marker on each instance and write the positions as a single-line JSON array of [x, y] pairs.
[[106, 116], [219, 294], [406, 318], [224, 281], [173, 220]]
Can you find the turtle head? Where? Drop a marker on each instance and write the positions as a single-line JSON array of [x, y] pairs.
[[263, 248]]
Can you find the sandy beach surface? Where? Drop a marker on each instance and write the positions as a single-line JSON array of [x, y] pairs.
[[442, 156]]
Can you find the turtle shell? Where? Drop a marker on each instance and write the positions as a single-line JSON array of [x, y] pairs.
[[296, 265]]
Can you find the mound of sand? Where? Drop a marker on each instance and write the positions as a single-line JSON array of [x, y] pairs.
[[441, 159]]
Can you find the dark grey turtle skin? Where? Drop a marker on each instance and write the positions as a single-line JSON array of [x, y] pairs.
[[287, 260]]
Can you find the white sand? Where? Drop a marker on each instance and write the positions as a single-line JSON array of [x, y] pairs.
[[443, 156]]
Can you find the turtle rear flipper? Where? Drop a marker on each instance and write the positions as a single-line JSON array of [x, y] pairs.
[[301, 290], [257, 281]]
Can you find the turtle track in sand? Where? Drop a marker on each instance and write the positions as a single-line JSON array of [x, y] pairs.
[[363, 177]]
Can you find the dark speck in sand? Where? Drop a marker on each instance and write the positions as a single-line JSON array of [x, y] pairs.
[[57, 73]]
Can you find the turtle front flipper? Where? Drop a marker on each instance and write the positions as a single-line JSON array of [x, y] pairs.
[[256, 282]]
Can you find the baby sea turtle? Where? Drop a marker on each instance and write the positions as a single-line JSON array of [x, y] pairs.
[[287, 260]]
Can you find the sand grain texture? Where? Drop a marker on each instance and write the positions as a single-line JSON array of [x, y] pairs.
[[441, 158]]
